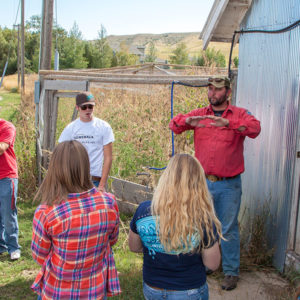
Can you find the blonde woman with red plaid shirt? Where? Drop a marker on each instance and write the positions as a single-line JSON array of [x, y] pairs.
[[74, 228]]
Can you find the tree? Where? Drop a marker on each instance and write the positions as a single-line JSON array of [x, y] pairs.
[[180, 55], [211, 57], [8, 46], [124, 58], [104, 53], [75, 32], [34, 24], [72, 50], [32, 43], [236, 61], [152, 53]]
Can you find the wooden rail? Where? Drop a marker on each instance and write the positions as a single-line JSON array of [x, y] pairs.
[[122, 78]]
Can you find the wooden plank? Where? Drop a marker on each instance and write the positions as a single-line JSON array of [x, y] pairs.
[[118, 68], [195, 80], [66, 85], [212, 21], [48, 121], [53, 121], [126, 207], [66, 94], [99, 72], [87, 76], [143, 68], [39, 123], [130, 192], [75, 114], [164, 71], [234, 87]]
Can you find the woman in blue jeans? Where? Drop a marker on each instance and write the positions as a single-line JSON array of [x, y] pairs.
[[178, 233]]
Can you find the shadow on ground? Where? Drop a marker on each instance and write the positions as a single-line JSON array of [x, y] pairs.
[[17, 290]]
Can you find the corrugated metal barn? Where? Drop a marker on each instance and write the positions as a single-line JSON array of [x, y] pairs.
[[268, 86]]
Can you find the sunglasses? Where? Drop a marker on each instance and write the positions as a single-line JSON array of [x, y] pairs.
[[85, 106], [218, 80]]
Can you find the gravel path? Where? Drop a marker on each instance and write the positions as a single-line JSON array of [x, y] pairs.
[[251, 286]]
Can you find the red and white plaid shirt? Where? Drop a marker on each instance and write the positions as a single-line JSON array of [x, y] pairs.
[[72, 243]]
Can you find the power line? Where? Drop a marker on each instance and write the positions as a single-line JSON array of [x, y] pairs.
[[287, 28]]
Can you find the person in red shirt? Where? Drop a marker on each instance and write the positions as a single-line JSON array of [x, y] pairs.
[[9, 229], [219, 133]]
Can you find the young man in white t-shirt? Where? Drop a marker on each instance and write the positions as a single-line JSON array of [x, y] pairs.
[[95, 135]]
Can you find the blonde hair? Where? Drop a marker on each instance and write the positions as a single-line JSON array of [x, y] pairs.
[[68, 172], [183, 206]]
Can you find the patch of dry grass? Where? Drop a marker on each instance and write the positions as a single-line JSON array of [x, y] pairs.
[[139, 116], [10, 83]]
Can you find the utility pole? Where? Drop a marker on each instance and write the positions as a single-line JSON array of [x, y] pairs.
[[49, 107], [46, 35], [22, 47], [18, 54]]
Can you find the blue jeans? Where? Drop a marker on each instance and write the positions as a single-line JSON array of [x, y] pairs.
[[193, 294], [227, 199], [95, 183], [9, 228]]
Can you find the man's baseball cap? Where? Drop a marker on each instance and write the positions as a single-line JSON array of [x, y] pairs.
[[84, 98], [219, 81]]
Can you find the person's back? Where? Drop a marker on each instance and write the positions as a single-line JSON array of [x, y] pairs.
[[72, 240], [175, 258], [169, 270]]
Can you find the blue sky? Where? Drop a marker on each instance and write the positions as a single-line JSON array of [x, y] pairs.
[[119, 17]]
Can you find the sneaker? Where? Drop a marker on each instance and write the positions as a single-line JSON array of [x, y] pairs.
[[229, 282], [15, 255]]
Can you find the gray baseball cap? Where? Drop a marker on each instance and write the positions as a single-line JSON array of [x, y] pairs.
[[84, 98]]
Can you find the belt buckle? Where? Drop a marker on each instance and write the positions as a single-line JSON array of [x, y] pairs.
[[212, 178]]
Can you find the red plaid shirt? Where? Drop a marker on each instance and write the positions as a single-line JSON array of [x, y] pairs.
[[72, 243], [220, 149]]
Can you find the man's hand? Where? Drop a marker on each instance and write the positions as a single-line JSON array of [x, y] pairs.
[[218, 121], [195, 121]]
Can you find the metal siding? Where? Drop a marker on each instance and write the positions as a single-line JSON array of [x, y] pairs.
[[268, 86]]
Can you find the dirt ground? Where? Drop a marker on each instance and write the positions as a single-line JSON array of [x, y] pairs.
[[254, 285]]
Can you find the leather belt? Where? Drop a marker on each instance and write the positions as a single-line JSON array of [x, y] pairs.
[[96, 178], [214, 178]]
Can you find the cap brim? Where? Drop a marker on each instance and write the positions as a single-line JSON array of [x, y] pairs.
[[217, 85], [88, 102]]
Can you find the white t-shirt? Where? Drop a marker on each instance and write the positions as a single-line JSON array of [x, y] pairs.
[[93, 136]]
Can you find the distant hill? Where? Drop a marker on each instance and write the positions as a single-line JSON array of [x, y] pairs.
[[167, 42]]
